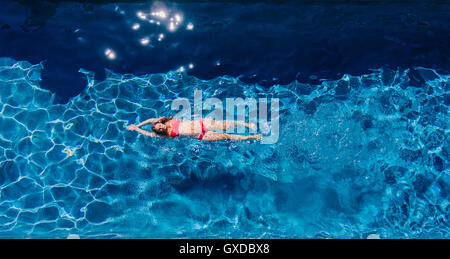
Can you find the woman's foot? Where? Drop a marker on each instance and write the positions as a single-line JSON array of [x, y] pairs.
[[251, 126], [258, 136]]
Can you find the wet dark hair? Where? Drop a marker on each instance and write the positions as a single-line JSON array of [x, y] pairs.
[[161, 131]]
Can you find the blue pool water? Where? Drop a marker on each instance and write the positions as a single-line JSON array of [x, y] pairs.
[[362, 153], [358, 156]]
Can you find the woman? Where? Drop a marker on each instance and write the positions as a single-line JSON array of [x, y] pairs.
[[172, 128]]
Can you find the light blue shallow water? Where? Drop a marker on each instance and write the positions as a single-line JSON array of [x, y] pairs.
[[359, 157]]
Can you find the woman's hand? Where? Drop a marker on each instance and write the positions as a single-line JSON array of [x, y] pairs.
[[132, 127]]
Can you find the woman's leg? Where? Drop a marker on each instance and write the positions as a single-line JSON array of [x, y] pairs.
[[214, 136], [225, 125]]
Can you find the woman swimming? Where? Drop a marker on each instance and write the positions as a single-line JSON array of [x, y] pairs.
[[201, 129]]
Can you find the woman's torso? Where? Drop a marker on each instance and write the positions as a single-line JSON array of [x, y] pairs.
[[184, 128]]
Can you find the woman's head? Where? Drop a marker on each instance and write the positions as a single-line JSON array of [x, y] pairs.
[[160, 126]]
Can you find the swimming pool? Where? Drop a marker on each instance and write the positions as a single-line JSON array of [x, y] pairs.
[[358, 156]]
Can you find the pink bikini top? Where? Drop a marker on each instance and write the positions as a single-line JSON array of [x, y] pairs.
[[175, 125]]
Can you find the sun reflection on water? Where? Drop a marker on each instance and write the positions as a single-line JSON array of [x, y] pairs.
[[110, 54], [136, 26], [161, 15], [146, 24], [144, 41]]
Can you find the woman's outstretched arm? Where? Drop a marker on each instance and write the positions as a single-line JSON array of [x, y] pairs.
[[143, 132], [151, 120]]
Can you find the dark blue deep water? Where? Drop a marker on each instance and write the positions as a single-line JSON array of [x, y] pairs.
[[364, 90]]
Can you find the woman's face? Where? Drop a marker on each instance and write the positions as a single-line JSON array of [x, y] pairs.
[[161, 128]]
